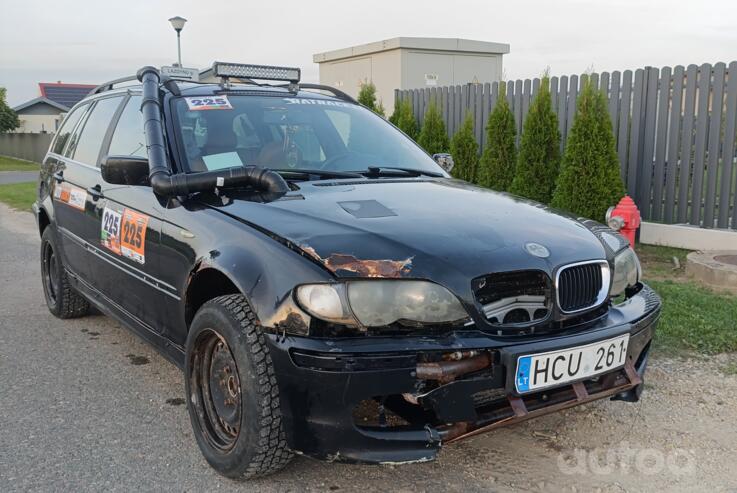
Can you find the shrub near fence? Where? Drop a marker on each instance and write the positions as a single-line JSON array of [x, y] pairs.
[[31, 147], [675, 130]]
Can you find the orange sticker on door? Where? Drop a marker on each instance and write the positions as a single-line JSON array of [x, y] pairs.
[[71, 195], [133, 235]]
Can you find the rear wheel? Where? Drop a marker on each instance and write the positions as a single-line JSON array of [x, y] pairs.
[[62, 300], [232, 396]]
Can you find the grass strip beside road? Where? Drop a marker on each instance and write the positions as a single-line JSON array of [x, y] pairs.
[[12, 164], [695, 318], [18, 195]]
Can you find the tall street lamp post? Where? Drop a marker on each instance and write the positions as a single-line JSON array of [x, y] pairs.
[[178, 24]]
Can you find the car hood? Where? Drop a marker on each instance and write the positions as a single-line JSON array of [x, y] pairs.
[[443, 230]]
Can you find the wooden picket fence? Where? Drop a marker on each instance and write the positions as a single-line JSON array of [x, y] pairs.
[[674, 127]]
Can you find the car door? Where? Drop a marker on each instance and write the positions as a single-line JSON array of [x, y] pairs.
[[75, 185], [127, 229]]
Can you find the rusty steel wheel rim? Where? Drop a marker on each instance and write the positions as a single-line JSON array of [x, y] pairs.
[[216, 390]]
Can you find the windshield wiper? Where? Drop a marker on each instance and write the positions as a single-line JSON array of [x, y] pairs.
[[376, 171], [319, 173]]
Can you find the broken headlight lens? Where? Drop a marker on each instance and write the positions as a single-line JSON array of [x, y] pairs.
[[626, 272], [381, 303]]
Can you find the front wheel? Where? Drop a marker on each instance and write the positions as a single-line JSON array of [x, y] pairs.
[[232, 395]]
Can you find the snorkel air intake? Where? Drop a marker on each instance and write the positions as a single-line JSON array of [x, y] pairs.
[[168, 185]]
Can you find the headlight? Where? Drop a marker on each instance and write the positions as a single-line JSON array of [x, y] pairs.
[[626, 271], [381, 303], [326, 302]]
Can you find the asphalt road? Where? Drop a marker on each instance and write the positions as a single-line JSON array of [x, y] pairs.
[[86, 406], [17, 176]]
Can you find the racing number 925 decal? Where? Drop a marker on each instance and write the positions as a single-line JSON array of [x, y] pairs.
[[125, 234]]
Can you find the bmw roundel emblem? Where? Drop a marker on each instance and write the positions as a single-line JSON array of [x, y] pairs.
[[537, 250]]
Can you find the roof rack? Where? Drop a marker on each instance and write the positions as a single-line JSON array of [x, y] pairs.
[[335, 92], [107, 86]]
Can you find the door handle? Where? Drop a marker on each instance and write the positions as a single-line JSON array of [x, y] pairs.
[[96, 192], [59, 176]]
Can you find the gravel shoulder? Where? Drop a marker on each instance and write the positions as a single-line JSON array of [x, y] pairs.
[[87, 406]]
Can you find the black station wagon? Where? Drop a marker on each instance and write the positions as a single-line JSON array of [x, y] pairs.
[[326, 286]]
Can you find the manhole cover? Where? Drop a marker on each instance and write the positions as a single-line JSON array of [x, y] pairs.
[[726, 259]]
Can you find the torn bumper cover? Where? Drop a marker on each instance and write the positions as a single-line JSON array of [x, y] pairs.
[[392, 400]]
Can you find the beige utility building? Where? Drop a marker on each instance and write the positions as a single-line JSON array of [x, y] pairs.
[[411, 63]]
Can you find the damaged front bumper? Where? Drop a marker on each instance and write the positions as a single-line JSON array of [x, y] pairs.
[[395, 400]]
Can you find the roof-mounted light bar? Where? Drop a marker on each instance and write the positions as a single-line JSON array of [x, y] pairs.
[[263, 72]]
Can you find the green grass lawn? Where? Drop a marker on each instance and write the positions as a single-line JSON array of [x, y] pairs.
[[18, 195], [695, 318], [12, 164]]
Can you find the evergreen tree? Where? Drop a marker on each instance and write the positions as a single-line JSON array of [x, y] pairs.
[[589, 180], [433, 136], [8, 118], [367, 95], [380, 109], [395, 115], [406, 119], [464, 149], [497, 165], [539, 153]]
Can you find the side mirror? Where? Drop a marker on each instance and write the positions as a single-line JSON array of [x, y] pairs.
[[444, 160], [124, 170]]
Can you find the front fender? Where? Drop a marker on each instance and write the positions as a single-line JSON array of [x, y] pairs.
[[265, 271]]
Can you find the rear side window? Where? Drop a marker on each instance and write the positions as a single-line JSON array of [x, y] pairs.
[[128, 138], [63, 135], [94, 130]]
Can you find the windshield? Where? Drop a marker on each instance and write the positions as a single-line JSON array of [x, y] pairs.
[[284, 133]]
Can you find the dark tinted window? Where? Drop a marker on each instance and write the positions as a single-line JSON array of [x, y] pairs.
[[128, 138], [62, 137], [94, 130]]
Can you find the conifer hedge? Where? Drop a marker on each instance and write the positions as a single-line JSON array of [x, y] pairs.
[[589, 181], [464, 149], [539, 153], [498, 162], [433, 136]]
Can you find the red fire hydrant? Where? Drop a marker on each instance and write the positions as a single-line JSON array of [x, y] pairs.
[[625, 218]]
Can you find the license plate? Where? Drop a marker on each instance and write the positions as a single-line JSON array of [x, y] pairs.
[[554, 368]]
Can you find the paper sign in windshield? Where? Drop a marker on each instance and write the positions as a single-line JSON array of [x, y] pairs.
[[222, 161], [208, 103]]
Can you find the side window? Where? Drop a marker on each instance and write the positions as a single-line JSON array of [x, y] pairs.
[[63, 135], [128, 138], [94, 129]]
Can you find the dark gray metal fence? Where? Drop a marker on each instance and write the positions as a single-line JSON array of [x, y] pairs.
[[28, 146], [675, 131]]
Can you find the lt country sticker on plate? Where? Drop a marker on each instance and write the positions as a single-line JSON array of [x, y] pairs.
[[208, 103]]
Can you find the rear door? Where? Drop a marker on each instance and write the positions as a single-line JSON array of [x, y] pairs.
[[76, 185]]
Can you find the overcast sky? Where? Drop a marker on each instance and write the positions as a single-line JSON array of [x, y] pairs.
[[90, 42]]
